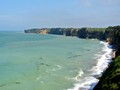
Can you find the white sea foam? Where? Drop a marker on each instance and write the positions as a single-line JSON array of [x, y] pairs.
[[102, 63], [38, 78], [80, 73], [59, 66], [77, 77]]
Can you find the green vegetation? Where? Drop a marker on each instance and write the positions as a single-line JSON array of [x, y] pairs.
[[96, 29], [111, 77]]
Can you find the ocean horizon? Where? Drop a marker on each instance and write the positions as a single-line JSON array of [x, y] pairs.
[[50, 62]]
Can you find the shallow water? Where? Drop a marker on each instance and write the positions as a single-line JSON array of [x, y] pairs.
[[45, 62]]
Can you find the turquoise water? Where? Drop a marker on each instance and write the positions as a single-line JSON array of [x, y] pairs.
[[44, 62]]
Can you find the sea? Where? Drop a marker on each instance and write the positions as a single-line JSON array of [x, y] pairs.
[[50, 62]]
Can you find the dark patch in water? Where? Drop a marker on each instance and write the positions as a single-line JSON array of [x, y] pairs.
[[17, 83], [38, 64], [3, 85], [41, 58], [74, 56], [88, 50], [44, 64], [47, 65]]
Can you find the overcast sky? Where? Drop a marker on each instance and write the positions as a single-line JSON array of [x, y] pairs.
[[24, 14]]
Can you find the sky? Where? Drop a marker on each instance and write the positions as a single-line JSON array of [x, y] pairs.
[[26, 14]]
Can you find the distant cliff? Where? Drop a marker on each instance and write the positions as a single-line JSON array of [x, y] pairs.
[[39, 31], [98, 33]]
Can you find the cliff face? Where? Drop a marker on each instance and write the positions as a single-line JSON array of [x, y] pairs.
[[97, 33], [92, 33], [114, 35], [110, 79]]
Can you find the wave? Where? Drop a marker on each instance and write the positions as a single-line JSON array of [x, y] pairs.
[[80, 73], [103, 60]]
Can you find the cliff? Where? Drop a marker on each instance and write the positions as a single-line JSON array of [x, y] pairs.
[[110, 79], [98, 33]]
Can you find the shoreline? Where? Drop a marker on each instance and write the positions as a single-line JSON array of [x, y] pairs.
[[110, 35], [102, 63]]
